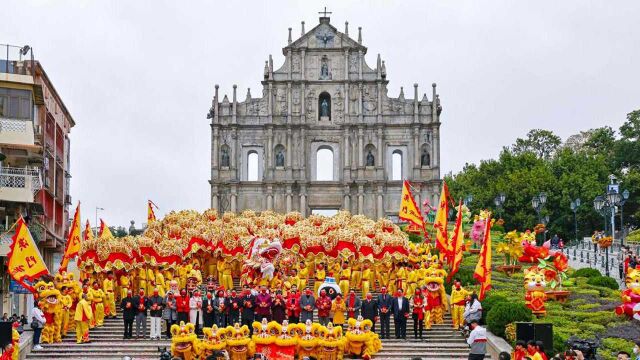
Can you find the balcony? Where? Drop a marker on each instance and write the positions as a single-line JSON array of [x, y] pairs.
[[19, 184], [16, 132]]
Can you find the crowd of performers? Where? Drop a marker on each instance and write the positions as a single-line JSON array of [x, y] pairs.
[[201, 298]]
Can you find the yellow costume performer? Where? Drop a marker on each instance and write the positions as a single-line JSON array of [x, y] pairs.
[[125, 285], [367, 279], [67, 302], [319, 277], [458, 296], [356, 276], [142, 280], [214, 339], [108, 287], [227, 279], [160, 283], [49, 299], [303, 274], [330, 343], [97, 298], [239, 345], [82, 317], [361, 341], [308, 340], [345, 277], [338, 308]]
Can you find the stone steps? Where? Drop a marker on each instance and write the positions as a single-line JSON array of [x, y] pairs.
[[441, 342]]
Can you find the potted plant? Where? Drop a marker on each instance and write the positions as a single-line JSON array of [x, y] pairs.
[[512, 250], [555, 269]]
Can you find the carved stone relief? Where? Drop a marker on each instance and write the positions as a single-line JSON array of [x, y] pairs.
[[296, 64], [281, 101], [353, 63], [353, 98], [295, 99], [370, 101], [339, 105], [310, 100]]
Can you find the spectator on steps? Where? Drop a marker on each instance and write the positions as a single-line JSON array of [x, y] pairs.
[[37, 323], [182, 306], [307, 304], [170, 312], [477, 341], [141, 302], [156, 302], [385, 301], [532, 351], [400, 309], [473, 309], [369, 310]]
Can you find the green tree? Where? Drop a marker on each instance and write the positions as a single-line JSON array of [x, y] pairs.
[[543, 143]]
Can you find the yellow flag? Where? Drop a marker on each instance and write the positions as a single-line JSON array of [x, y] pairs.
[[457, 240], [88, 233], [440, 223], [73, 241], [408, 209], [104, 232], [483, 268], [151, 215], [25, 261]]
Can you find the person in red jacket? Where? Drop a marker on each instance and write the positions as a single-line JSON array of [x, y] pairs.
[[182, 306], [293, 305], [323, 304], [418, 305]]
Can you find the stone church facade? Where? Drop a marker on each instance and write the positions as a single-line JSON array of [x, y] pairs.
[[323, 134]]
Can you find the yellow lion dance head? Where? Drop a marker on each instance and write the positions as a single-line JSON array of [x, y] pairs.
[[214, 339], [48, 295], [184, 341], [434, 279], [633, 281]]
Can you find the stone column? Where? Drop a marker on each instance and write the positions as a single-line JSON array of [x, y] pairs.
[[216, 110], [214, 147], [303, 200], [359, 64], [346, 147], [269, 148], [346, 65], [303, 104], [234, 107], [380, 203], [289, 103], [380, 161], [347, 199], [360, 147], [303, 153], [215, 202], [303, 71], [346, 101], [288, 199], [234, 201], [269, 200], [288, 153], [235, 156], [416, 110], [436, 148], [416, 146], [270, 102], [361, 199]]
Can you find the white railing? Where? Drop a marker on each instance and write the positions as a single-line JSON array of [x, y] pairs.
[[16, 131], [21, 178]]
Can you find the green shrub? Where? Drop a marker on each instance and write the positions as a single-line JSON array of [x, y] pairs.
[[604, 281], [587, 273], [504, 313], [489, 302], [611, 346]]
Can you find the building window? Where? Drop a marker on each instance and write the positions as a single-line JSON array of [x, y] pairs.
[[396, 165], [324, 164], [324, 212], [324, 106], [252, 166]]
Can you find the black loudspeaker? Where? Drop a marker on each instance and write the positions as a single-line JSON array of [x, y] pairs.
[[5, 333], [525, 331], [544, 332]]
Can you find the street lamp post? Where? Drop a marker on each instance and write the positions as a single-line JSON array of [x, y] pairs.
[[545, 221], [537, 202], [499, 202], [467, 200], [575, 204], [96, 224], [625, 197]]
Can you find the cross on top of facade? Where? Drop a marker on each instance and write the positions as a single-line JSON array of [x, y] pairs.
[[325, 12]]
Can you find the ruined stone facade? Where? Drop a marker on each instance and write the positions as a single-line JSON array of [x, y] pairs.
[[324, 102]]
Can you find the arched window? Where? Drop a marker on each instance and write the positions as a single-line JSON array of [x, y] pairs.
[[252, 166], [396, 165], [324, 164], [324, 106]]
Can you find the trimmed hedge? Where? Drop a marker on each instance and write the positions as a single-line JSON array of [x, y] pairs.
[[505, 313], [489, 302], [604, 281], [466, 279], [586, 272]]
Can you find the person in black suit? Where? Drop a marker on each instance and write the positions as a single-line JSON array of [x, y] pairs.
[[248, 309], [369, 310], [208, 312], [400, 310], [128, 314], [233, 304], [385, 302]]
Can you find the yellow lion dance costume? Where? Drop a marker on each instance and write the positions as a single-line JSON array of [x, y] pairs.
[[49, 300], [184, 342], [286, 339], [331, 343], [361, 341], [214, 339], [308, 339], [437, 303], [239, 345], [534, 284]]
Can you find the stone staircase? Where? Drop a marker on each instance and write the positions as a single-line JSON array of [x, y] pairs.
[[441, 342]]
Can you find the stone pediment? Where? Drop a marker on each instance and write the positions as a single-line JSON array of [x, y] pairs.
[[324, 36]]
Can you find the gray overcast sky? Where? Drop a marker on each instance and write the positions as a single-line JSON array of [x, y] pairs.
[[138, 76]]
